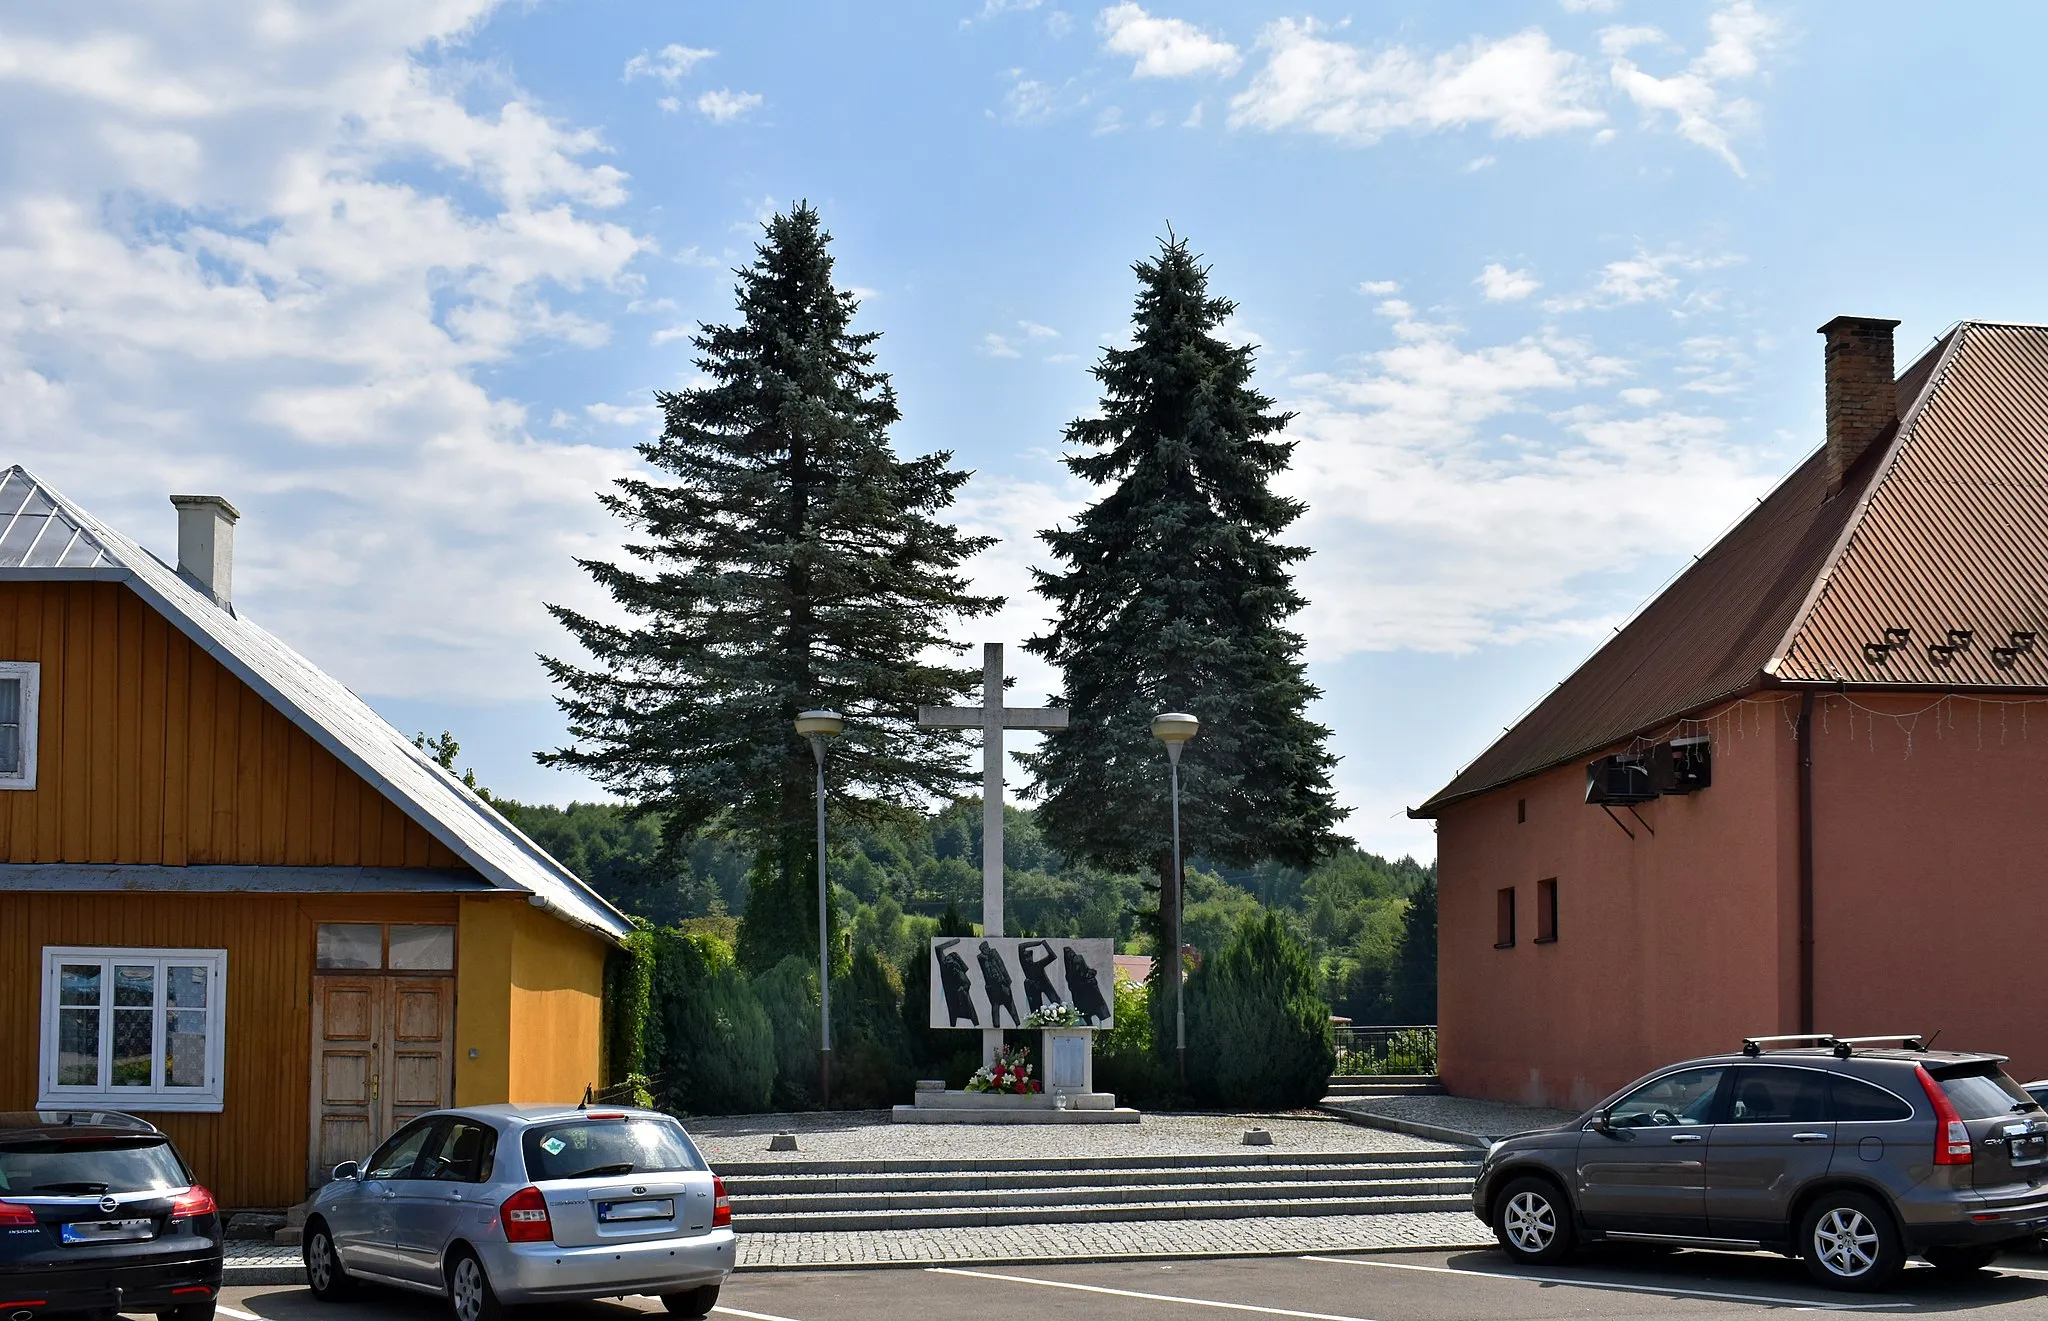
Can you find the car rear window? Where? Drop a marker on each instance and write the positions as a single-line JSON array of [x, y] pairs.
[[1982, 1091], [55, 1167], [607, 1148]]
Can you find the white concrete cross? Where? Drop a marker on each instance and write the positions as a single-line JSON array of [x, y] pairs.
[[992, 718]]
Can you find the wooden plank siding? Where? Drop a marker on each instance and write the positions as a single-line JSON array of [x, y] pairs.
[[253, 1153], [149, 751]]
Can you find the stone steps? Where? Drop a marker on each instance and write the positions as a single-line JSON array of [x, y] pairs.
[[823, 1222], [1351, 1087], [792, 1198]]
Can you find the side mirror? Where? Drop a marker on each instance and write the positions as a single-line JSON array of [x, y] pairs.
[[1603, 1122], [345, 1170]]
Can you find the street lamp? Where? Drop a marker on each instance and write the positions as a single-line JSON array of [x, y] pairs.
[[1174, 729], [817, 726]]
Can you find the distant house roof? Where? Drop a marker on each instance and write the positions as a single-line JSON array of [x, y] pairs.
[[44, 537], [1941, 526]]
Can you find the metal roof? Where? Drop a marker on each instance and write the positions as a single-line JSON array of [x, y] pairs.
[[317, 703], [1942, 525]]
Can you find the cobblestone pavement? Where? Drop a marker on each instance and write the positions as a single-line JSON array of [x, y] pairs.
[[869, 1135], [1481, 1119], [1152, 1238]]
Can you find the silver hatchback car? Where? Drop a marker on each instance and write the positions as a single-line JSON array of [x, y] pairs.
[[500, 1205]]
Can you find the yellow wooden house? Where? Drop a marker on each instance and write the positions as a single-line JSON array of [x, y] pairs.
[[236, 901]]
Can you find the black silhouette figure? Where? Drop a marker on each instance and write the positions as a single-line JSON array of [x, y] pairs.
[[958, 986], [1087, 992], [995, 979], [1038, 988]]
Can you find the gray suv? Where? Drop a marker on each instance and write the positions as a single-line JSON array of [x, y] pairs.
[[1851, 1153]]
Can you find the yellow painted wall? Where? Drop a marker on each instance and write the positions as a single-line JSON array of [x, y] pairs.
[[530, 1003]]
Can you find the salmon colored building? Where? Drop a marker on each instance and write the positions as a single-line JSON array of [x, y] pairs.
[[1806, 788], [234, 900]]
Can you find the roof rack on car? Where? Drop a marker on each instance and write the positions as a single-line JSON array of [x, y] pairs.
[[1844, 1046], [1754, 1046]]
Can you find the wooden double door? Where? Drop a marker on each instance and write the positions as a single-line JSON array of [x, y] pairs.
[[383, 1054]]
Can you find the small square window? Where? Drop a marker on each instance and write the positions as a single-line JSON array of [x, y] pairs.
[[1521, 810], [20, 692], [1504, 919], [1546, 911], [423, 948]]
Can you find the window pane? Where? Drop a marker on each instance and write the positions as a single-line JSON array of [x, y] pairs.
[[10, 727], [426, 949], [185, 1048], [351, 945], [1857, 1102], [78, 1047], [185, 987], [10, 701], [394, 1160], [133, 1030], [135, 986], [78, 984], [1779, 1096], [1675, 1099]]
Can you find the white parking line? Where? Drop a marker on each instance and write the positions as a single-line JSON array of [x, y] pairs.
[[1149, 1297], [750, 1316], [1575, 1282], [225, 1310]]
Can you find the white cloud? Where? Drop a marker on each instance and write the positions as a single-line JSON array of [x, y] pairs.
[[671, 64], [723, 105], [285, 258], [997, 8], [1059, 23], [1030, 101], [1589, 6], [670, 104], [1478, 163], [997, 346], [1695, 100], [1380, 288], [1032, 330], [1164, 47], [625, 415], [1642, 396], [1500, 284], [1439, 526], [1646, 277], [1519, 86]]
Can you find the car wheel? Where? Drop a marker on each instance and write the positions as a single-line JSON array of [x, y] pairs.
[[469, 1290], [1961, 1261], [188, 1312], [1533, 1222], [324, 1273], [1849, 1242], [697, 1302]]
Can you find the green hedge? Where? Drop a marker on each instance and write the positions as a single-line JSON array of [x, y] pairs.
[[1258, 1029], [709, 1041]]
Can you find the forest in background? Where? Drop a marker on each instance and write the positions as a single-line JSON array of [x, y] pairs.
[[1367, 922]]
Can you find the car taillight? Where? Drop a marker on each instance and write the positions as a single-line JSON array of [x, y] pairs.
[[14, 1213], [721, 1205], [525, 1215], [1951, 1135], [194, 1201]]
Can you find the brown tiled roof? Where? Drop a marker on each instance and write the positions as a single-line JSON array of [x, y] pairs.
[[1942, 525]]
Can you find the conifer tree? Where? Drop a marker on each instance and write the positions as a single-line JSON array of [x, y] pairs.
[[785, 559], [1174, 594]]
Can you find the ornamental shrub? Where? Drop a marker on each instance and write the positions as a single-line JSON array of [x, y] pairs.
[[628, 1002], [870, 1049], [1124, 1060], [788, 993], [708, 1037], [1258, 1030]]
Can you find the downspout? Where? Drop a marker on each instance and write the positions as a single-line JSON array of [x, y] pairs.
[[1806, 861]]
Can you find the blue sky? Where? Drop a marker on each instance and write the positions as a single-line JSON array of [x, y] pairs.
[[1541, 279]]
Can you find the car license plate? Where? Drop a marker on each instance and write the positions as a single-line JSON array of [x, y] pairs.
[[2029, 1148], [612, 1212], [109, 1231]]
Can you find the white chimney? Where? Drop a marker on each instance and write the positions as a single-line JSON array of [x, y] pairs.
[[206, 543]]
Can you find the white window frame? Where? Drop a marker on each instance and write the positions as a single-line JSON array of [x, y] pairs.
[[157, 1097], [31, 675]]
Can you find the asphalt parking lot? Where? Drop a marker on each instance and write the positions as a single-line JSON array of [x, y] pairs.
[[1431, 1286]]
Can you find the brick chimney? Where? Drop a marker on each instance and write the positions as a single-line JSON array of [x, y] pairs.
[[1863, 399], [206, 544]]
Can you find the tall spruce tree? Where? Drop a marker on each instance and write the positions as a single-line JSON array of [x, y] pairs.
[[1174, 595], [791, 561]]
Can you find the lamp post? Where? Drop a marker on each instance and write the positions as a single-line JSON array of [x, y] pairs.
[[1174, 729], [817, 726]]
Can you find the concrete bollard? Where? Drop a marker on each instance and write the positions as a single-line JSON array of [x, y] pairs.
[[1258, 1137], [782, 1142]]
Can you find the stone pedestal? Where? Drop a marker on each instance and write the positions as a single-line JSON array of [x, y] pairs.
[[1077, 1107], [1067, 1060]]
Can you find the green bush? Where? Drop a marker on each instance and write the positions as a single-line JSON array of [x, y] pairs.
[[708, 1038], [628, 1002], [1125, 1062], [788, 993], [870, 1049], [1258, 1031]]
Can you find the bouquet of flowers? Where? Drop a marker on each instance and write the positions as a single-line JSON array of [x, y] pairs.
[[1010, 1074], [1054, 1014]]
